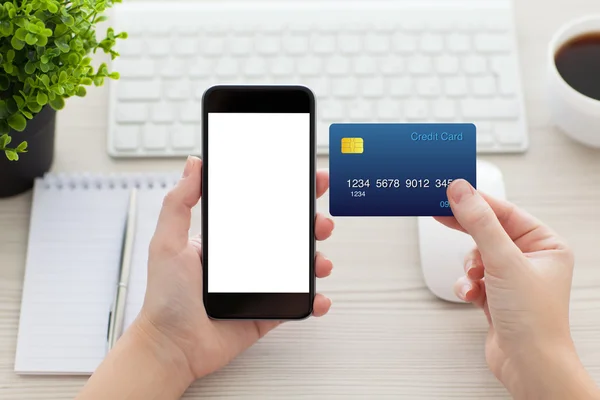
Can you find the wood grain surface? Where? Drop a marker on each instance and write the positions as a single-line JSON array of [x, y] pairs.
[[386, 335]]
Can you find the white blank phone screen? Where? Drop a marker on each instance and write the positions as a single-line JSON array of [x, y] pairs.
[[259, 202]]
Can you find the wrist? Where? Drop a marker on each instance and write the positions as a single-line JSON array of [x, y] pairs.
[[171, 359], [551, 371]]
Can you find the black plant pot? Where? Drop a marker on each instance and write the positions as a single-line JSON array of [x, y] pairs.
[[17, 177]]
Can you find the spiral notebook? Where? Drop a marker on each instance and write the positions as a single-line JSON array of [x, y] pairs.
[[72, 266]]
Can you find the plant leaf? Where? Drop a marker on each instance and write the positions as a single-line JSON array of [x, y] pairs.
[[22, 148], [81, 91], [11, 155], [30, 68], [27, 114], [58, 103], [3, 110], [5, 140], [19, 100], [17, 44], [42, 98], [4, 82], [17, 122]]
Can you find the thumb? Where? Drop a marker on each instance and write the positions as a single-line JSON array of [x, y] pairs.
[[478, 219], [172, 230]]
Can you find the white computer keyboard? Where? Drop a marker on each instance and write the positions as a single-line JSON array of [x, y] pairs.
[[367, 61]]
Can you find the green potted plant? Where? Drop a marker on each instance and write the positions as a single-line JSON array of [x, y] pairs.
[[46, 49]]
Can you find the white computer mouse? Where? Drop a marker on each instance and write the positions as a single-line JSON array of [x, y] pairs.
[[443, 249]]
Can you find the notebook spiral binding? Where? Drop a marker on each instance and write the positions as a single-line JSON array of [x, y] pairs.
[[110, 181]]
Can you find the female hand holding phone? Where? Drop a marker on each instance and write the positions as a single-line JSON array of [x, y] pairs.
[[173, 342]]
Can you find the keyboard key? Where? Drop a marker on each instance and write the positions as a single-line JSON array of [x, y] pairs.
[[498, 23], [255, 67], [417, 110], [508, 133], [139, 90], [213, 46], [350, 43], [372, 87], [455, 86], [429, 87], [447, 65], [377, 43], [364, 65], [489, 109], [323, 44], [420, 65], [227, 67], [391, 65], [458, 43], [191, 112], [444, 110], [179, 90], [131, 47], [332, 111], [267, 44], [431, 43], [483, 86], [492, 43], [155, 137], [474, 65], [485, 134], [360, 110], [338, 65], [185, 47], [387, 110], [163, 113], [240, 45], [296, 44], [132, 112], [158, 47], [401, 87], [307, 66], [281, 66], [126, 137], [135, 68], [506, 71], [201, 67], [183, 136], [344, 87], [172, 68], [404, 44]]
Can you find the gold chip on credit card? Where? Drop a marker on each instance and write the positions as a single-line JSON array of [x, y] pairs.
[[352, 146]]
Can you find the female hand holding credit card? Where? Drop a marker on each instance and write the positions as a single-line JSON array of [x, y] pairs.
[[520, 275]]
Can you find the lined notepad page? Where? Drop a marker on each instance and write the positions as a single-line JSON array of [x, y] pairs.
[[74, 249]]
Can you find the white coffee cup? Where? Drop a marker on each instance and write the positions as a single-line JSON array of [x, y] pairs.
[[574, 113]]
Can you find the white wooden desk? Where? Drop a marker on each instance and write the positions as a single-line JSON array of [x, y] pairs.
[[386, 335]]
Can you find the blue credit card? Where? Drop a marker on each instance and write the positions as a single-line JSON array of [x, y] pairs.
[[398, 170]]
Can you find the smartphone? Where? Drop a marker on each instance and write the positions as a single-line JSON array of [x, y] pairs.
[[258, 202]]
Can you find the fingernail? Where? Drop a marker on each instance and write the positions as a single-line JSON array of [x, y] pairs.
[[468, 266], [464, 291], [188, 167], [460, 189]]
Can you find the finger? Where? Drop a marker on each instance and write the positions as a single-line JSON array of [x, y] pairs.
[[174, 220], [322, 183], [478, 219], [323, 266], [474, 268], [323, 227], [484, 303], [517, 223], [467, 290], [321, 305]]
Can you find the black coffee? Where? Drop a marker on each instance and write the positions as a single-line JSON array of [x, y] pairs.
[[578, 62]]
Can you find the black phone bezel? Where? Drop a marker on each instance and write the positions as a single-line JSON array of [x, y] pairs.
[[258, 99]]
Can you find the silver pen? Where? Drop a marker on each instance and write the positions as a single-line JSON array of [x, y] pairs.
[[117, 314]]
